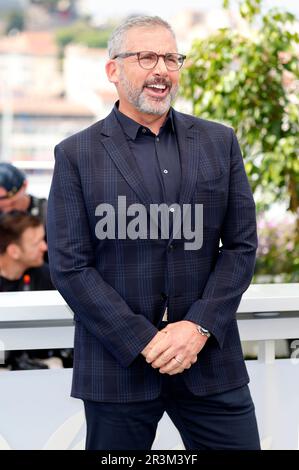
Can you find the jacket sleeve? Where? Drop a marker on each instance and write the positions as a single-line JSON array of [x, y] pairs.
[[234, 267], [72, 264]]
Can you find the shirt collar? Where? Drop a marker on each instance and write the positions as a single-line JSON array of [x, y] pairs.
[[131, 127]]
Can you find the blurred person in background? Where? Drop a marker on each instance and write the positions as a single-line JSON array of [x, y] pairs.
[[14, 196], [22, 248]]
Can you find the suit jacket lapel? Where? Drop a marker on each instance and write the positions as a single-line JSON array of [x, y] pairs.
[[188, 142], [117, 147], [189, 146]]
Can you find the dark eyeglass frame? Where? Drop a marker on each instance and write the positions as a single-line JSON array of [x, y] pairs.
[[180, 57]]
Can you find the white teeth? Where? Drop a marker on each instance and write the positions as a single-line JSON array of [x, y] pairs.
[[160, 87]]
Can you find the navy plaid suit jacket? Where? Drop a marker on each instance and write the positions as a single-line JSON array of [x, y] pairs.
[[118, 288]]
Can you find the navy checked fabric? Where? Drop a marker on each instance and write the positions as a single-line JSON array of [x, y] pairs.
[[118, 288]]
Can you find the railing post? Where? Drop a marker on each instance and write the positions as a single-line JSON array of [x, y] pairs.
[[266, 351]]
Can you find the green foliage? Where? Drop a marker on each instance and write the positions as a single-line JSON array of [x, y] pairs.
[[248, 80], [82, 33], [248, 8]]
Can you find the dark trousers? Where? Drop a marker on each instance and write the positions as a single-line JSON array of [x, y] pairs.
[[220, 421]]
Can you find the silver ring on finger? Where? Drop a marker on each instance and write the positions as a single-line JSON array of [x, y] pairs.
[[178, 360]]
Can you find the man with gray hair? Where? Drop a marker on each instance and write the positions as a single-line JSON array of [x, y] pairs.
[[155, 323]]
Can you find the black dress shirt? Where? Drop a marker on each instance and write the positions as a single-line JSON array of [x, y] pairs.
[[157, 157]]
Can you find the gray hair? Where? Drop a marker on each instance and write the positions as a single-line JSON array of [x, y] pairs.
[[116, 41]]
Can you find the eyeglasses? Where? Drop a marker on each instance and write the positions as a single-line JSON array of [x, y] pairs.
[[148, 59]]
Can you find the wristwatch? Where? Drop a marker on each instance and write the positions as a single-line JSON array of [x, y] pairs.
[[203, 331]]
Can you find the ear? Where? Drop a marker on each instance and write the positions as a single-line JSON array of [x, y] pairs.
[[13, 250], [112, 71]]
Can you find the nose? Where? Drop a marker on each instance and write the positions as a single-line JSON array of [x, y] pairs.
[[43, 246], [160, 67]]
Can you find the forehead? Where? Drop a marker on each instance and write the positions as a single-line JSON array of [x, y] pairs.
[[157, 39], [33, 233]]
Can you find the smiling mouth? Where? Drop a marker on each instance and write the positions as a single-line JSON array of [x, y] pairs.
[[157, 90]]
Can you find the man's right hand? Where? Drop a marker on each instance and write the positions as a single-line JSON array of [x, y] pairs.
[[156, 339]]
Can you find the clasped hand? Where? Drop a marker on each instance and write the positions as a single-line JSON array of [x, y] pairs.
[[175, 348]]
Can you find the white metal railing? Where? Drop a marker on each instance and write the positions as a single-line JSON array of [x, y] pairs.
[[53, 420], [42, 319], [34, 165]]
